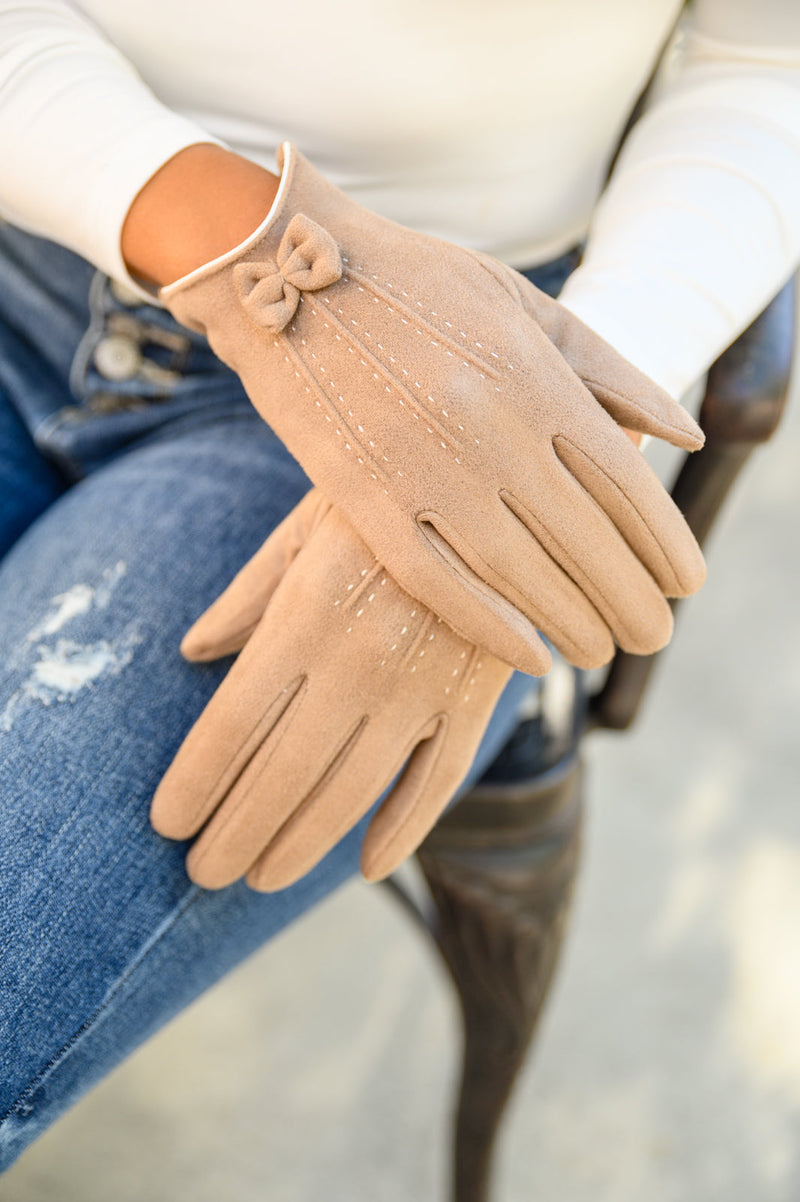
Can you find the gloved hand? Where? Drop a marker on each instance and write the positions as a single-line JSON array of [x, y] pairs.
[[466, 424], [343, 679]]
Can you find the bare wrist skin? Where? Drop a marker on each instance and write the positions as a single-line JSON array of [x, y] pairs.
[[200, 204]]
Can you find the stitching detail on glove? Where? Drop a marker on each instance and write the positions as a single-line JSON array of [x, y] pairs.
[[355, 594], [420, 640], [401, 635], [358, 348], [475, 670], [461, 670], [436, 336], [480, 586], [360, 587], [354, 591], [323, 403]]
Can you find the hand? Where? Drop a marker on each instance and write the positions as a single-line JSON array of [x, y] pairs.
[[463, 422], [344, 680]]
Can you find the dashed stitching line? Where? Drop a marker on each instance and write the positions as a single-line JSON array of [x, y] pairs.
[[350, 411], [360, 586], [365, 459], [351, 414], [475, 672], [401, 635], [530, 610], [413, 655], [414, 403], [366, 578], [437, 338], [470, 671]]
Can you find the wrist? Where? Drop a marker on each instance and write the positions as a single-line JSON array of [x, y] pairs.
[[203, 202]]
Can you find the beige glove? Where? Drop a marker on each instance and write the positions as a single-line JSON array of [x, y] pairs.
[[466, 424], [342, 680]]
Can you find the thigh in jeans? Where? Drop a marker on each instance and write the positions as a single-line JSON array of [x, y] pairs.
[[94, 700], [28, 483], [104, 937]]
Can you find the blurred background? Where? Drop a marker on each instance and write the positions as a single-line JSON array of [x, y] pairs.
[[667, 1064]]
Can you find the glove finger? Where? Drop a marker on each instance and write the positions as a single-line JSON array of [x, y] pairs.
[[467, 597], [430, 779], [233, 727], [411, 810], [521, 570], [584, 541], [342, 798], [273, 787], [226, 625], [626, 488], [431, 765], [626, 393]]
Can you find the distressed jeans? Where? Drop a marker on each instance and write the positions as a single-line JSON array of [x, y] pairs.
[[135, 480]]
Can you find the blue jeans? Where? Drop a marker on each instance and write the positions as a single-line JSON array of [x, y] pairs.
[[135, 480]]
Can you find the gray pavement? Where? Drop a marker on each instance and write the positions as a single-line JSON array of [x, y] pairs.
[[668, 1062]]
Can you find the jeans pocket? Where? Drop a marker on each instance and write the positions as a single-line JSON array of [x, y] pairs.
[[133, 371]]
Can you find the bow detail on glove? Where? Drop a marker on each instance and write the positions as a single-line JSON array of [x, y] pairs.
[[308, 259], [466, 424]]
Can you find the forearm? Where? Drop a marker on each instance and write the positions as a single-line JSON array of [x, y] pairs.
[[700, 224], [80, 132]]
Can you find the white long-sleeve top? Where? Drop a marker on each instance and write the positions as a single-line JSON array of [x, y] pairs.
[[489, 125]]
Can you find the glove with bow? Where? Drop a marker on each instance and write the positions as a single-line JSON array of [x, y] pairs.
[[344, 680], [466, 424]]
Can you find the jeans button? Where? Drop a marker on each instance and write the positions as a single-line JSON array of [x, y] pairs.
[[117, 357]]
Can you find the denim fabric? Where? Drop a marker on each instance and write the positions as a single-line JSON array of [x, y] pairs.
[[126, 505]]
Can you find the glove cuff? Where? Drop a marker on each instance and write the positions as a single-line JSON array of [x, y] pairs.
[[287, 254]]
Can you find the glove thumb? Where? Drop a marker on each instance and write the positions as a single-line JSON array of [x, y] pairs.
[[226, 625]]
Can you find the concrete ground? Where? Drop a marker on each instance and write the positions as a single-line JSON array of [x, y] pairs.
[[668, 1062]]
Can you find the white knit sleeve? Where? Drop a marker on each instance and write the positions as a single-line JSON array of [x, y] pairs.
[[700, 223], [80, 133]]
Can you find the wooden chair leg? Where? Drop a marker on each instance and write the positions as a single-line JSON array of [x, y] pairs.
[[500, 867]]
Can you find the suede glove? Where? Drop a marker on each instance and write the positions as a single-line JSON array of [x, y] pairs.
[[465, 423], [343, 680]]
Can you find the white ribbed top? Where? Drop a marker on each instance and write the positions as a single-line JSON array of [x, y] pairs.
[[487, 124]]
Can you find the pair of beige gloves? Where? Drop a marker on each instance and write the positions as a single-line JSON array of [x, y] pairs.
[[476, 487]]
